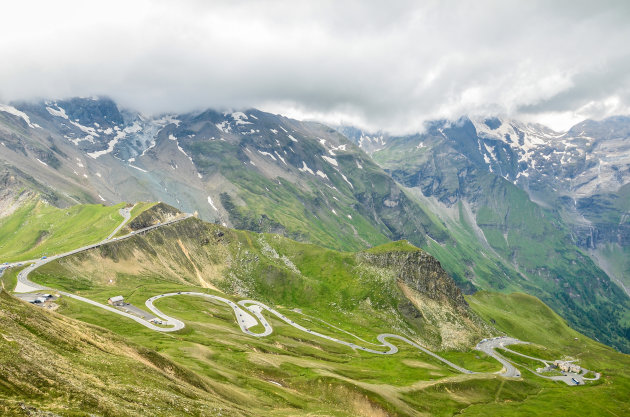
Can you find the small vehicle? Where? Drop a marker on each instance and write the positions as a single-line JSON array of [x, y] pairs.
[[44, 257]]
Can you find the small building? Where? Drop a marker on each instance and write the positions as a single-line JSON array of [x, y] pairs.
[[565, 366], [117, 301]]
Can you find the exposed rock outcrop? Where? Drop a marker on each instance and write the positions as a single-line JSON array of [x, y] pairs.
[[421, 272]]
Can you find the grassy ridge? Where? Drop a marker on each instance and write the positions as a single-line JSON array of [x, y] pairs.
[[36, 229], [137, 210], [269, 268]]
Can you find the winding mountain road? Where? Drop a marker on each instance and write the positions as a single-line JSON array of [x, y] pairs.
[[126, 213], [26, 285], [488, 346], [248, 313]]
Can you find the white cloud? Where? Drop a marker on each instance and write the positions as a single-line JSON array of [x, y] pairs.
[[389, 66]]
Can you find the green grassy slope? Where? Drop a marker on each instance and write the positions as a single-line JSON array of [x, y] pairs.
[[269, 268], [361, 207], [51, 363], [290, 373], [527, 318], [37, 229], [538, 244]]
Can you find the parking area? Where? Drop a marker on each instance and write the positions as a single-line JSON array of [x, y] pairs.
[[41, 299], [131, 309]]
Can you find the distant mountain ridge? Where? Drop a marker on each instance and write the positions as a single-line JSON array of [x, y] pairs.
[[591, 157], [450, 190], [584, 172]]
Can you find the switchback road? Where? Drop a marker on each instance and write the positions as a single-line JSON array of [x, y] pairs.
[[248, 314]]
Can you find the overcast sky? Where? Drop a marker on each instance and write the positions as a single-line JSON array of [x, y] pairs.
[[378, 64]]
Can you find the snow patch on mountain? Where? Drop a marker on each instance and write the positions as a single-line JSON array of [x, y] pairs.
[[166, 120], [490, 150], [134, 128], [281, 158], [138, 168], [267, 154], [305, 168], [224, 126], [331, 161], [240, 118], [346, 180], [15, 112], [377, 142], [185, 154], [90, 131], [58, 112]]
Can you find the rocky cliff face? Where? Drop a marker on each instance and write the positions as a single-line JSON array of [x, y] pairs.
[[432, 301], [594, 235], [422, 273]]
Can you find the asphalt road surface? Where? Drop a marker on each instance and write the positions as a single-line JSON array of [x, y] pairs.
[[26, 285], [248, 314], [126, 213], [488, 345]]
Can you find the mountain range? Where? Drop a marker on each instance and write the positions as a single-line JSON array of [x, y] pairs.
[[503, 205]]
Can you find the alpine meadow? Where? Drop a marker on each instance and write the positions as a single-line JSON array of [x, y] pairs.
[[315, 208]]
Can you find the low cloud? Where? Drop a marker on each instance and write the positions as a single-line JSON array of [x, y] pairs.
[[381, 67]]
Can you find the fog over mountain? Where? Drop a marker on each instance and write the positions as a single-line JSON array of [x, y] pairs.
[[366, 64]]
